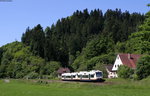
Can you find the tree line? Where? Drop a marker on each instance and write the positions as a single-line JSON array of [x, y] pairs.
[[83, 41], [65, 40]]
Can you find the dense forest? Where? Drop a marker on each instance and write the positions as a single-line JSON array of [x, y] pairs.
[[84, 41], [65, 40]]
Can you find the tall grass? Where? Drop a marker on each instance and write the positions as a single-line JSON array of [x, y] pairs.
[[117, 87]]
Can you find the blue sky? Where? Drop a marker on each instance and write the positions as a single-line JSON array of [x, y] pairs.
[[17, 15]]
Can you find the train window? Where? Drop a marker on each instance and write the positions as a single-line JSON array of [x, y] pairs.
[[85, 76], [68, 76], [74, 76], [79, 76], [98, 74], [92, 76]]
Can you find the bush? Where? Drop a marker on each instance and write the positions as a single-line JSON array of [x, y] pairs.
[[143, 67], [19, 75], [51, 67], [125, 72], [32, 75]]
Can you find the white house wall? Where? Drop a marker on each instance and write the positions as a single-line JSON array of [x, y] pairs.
[[117, 63], [111, 74]]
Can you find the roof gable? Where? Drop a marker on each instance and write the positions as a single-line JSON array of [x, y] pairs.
[[129, 59], [63, 70], [109, 67]]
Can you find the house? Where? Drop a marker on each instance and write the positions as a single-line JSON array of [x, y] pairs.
[[125, 59], [111, 74], [62, 70]]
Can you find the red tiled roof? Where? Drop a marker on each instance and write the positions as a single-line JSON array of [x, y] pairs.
[[63, 70], [129, 59], [109, 67]]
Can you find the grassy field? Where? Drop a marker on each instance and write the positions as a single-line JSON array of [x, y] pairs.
[[115, 87]]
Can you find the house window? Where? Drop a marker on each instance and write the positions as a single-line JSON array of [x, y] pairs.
[[118, 57]]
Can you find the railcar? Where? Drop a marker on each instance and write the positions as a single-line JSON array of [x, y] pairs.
[[94, 75]]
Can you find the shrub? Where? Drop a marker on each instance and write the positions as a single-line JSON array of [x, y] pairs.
[[125, 72], [51, 67], [32, 75], [143, 67]]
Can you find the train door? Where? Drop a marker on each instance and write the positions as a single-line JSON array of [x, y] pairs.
[[89, 77]]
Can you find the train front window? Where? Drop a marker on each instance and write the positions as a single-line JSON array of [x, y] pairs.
[[98, 74]]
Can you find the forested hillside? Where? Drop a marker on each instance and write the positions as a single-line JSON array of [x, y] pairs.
[[65, 40], [84, 41]]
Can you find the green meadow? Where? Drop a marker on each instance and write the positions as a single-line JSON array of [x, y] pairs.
[[112, 87]]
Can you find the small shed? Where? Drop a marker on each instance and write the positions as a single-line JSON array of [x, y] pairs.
[[62, 70], [111, 74]]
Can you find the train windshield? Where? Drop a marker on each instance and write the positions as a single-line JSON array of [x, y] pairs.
[[98, 74]]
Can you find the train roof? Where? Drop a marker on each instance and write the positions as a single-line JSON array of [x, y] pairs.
[[66, 74]]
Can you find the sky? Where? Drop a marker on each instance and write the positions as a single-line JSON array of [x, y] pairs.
[[17, 15]]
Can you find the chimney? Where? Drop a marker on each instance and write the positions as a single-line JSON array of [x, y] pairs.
[[129, 56]]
